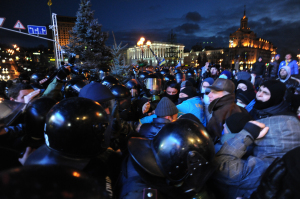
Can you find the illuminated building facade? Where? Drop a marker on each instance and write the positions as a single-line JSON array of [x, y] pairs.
[[172, 53], [216, 56], [65, 24], [245, 47]]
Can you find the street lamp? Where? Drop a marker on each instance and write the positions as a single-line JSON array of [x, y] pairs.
[[140, 44]]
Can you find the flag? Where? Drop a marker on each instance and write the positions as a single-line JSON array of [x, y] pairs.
[[49, 3], [178, 65], [162, 62]]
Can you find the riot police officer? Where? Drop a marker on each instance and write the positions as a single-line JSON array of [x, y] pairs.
[[175, 164], [77, 131]]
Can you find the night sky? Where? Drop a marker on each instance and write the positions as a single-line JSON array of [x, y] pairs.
[[193, 21]]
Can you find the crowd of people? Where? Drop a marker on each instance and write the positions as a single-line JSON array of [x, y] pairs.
[[164, 132]]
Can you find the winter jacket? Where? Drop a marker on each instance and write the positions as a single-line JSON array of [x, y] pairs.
[[236, 177], [259, 68], [273, 69], [221, 109], [292, 64]]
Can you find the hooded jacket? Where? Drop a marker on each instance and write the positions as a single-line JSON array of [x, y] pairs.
[[291, 86]]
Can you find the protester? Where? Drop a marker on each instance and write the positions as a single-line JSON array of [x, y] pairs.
[[290, 63], [273, 67], [259, 68], [222, 105]]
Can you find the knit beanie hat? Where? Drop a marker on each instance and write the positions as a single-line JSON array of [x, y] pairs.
[[189, 91], [236, 122], [186, 84], [243, 75], [209, 80], [165, 107], [245, 96], [225, 75], [277, 90]]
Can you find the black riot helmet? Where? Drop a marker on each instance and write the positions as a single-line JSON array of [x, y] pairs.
[[36, 78], [169, 78], [131, 85], [120, 92], [159, 75], [142, 76], [103, 72], [180, 77], [24, 78], [35, 117], [51, 181], [165, 72], [110, 81], [190, 74], [73, 87], [182, 153], [77, 127], [122, 95]]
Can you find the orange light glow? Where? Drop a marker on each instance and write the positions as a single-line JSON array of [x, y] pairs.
[[76, 174]]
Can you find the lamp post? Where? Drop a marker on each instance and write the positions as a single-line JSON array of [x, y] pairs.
[[140, 44]]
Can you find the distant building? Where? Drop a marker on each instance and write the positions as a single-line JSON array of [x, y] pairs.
[[216, 56], [65, 24], [245, 47], [172, 53]]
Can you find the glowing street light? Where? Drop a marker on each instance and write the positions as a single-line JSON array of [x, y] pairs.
[[140, 44]]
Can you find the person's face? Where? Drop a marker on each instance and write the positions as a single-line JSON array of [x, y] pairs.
[[207, 64], [205, 85], [215, 95], [288, 56], [22, 94], [283, 73], [213, 71], [182, 95], [260, 59], [277, 57], [242, 86], [171, 91], [263, 94]]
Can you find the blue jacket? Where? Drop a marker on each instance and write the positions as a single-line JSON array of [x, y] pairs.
[[193, 105], [292, 64]]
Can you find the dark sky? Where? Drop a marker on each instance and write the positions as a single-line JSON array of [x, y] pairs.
[[192, 20]]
